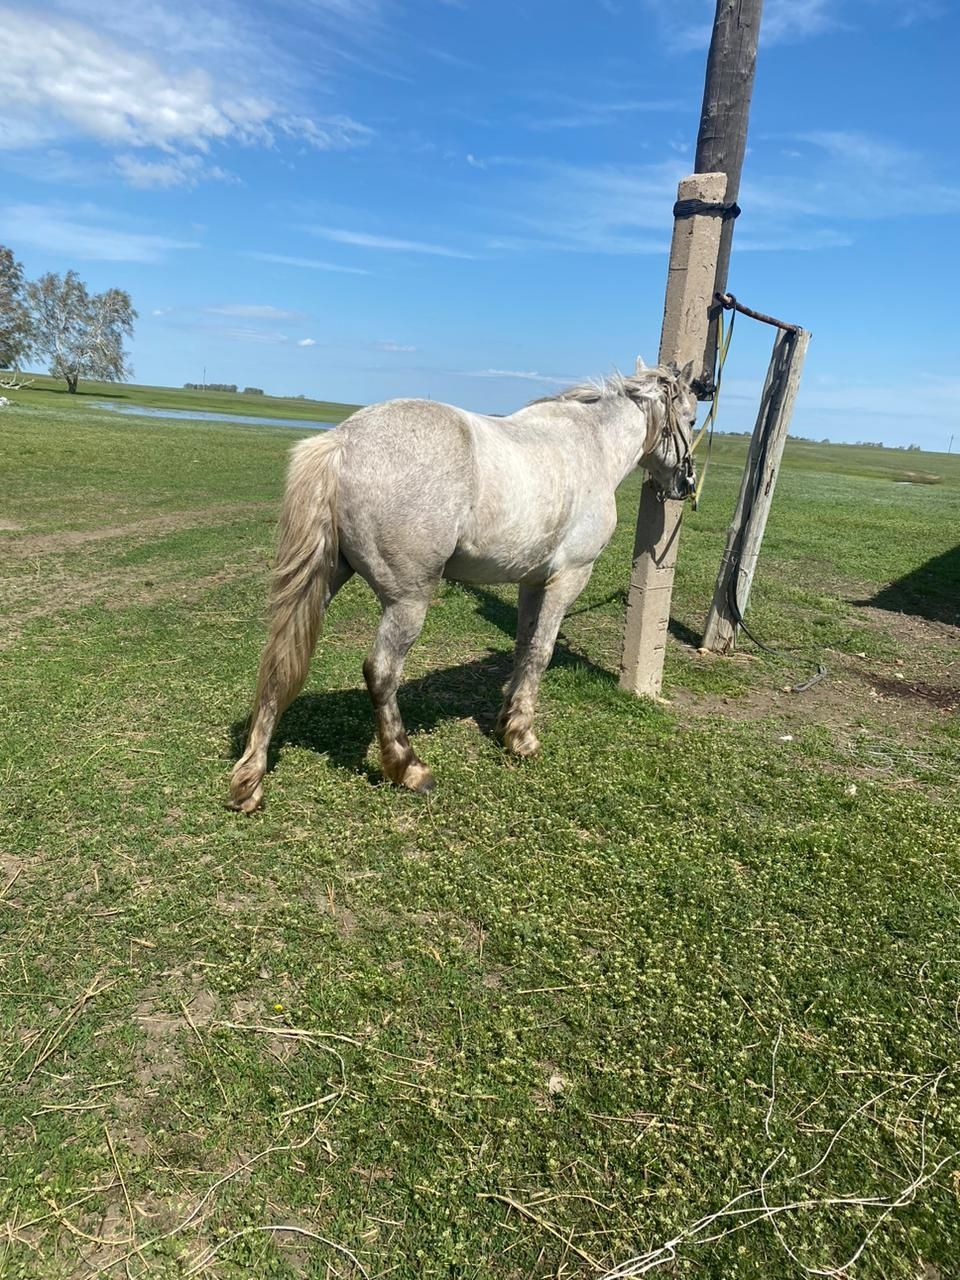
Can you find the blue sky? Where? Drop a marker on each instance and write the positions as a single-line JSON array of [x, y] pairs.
[[470, 199]]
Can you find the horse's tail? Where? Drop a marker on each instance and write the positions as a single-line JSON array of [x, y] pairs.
[[306, 558], [307, 554]]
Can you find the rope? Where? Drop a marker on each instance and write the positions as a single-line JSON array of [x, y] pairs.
[[736, 569], [709, 422]]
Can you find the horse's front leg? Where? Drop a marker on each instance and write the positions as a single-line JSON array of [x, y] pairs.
[[540, 614], [383, 670]]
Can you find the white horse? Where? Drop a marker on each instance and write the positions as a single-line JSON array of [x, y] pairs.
[[408, 492]]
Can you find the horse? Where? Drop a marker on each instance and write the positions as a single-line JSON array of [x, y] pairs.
[[407, 492]]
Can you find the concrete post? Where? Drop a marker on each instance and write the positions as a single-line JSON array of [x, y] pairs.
[[690, 280]]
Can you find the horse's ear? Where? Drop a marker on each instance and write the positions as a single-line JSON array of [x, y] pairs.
[[640, 365], [686, 373]]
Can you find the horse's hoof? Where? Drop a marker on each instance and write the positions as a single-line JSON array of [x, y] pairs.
[[418, 778], [524, 743], [246, 804]]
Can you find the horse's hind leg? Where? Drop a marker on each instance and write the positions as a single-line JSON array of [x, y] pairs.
[[399, 627], [539, 615]]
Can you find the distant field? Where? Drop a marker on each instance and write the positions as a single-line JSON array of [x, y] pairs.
[[536, 1025], [856, 460], [44, 389]]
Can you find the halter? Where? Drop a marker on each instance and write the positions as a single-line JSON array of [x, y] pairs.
[[673, 431], [672, 423]]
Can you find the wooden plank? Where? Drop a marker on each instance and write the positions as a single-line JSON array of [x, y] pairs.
[[745, 535]]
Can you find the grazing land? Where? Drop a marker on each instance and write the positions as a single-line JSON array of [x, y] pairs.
[[536, 1025], [45, 390]]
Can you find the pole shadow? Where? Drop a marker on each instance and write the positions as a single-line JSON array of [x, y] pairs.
[[684, 634], [931, 592]]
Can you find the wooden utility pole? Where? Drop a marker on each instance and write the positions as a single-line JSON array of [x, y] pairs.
[[756, 491], [691, 284], [724, 117]]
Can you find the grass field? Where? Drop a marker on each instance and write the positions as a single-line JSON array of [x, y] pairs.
[[44, 390], [538, 1025]]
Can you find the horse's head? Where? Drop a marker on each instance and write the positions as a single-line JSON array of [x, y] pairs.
[[669, 461]]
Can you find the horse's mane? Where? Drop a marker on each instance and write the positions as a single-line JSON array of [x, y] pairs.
[[634, 386]]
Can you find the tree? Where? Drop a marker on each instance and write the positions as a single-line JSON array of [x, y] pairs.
[[82, 335], [16, 328]]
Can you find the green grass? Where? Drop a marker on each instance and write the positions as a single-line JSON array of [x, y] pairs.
[[532, 1027]]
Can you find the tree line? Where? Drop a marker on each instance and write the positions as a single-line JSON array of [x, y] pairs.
[[56, 318], [222, 386]]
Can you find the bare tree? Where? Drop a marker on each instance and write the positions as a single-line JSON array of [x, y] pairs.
[[16, 326], [82, 335]]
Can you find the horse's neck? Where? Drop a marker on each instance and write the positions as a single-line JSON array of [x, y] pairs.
[[624, 432]]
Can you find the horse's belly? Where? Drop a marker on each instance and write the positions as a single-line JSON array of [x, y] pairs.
[[484, 568], [509, 554]]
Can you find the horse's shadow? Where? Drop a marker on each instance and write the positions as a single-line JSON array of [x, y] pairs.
[[339, 723]]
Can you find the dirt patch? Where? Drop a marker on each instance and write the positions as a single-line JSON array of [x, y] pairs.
[[112, 1232], [901, 696], [40, 544], [10, 866], [246, 1008], [344, 920], [160, 1059], [10, 526], [943, 697], [908, 628], [853, 694], [25, 600], [44, 585], [11, 869], [112, 1229]]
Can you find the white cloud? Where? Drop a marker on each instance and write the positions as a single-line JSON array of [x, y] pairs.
[[330, 133], [846, 175], [788, 236], [161, 311], [60, 77], [307, 342], [786, 21], [616, 209], [181, 31], [687, 25], [365, 241], [525, 375], [394, 346], [217, 81], [807, 201], [933, 397], [310, 264], [264, 336], [859, 150], [173, 171], [253, 311], [577, 114], [84, 232]]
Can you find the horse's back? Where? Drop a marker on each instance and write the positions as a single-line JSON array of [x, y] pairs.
[[406, 481], [426, 488]]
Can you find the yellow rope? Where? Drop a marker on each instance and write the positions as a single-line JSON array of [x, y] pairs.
[[723, 346]]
